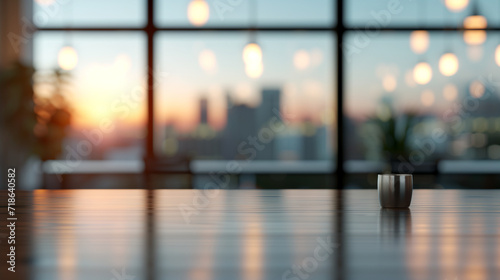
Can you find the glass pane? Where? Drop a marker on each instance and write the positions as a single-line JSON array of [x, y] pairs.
[[241, 13], [89, 13], [444, 100], [210, 107], [104, 94], [373, 14]]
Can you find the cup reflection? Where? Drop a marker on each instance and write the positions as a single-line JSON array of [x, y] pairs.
[[394, 223]]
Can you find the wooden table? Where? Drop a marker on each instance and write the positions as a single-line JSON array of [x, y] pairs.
[[253, 234]]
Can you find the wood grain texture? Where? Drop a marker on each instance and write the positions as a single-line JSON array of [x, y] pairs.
[[255, 234]]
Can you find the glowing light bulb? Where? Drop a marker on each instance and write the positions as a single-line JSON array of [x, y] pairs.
[[427, 98], [198, 12], [67, 58], [475, 37], [456, 5], [497, 55], [252, 53], [448, 64], [254, 69], [419, 41], [422, 73], [450, 92], [301, 59]]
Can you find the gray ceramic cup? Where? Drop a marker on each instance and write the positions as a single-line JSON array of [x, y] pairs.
[[395, 190]]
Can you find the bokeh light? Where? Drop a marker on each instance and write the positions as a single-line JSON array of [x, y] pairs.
[[456, 5], [198, 12], [450, 92], [301, 59], [207, 61], [252, 53], [252, 57], [497, 55], [448, 64], [67, 58], [389, 83], [419, 41], [422, 73], [475, 37], [427, 98], [254, 69], [476, 89]]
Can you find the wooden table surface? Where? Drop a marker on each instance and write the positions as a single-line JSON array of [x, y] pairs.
[[253, 234]]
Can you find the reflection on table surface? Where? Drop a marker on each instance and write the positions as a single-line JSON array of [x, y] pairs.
[[255, 234]]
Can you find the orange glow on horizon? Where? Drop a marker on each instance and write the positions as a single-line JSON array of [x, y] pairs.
[[103, 94]]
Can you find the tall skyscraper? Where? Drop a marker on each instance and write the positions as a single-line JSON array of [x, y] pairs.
[[203, 110], [240, 125], [268, 108]]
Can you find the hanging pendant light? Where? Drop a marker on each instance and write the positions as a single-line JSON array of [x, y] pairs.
[[198, 12], [252, 53], [448, 64], [254, 70], [456, 5], [419, 41], [252, 57], [67, 58], [475, 21]]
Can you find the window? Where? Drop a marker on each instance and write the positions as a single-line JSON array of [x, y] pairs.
[[203, 100]]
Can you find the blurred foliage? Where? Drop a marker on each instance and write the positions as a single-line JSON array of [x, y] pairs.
[[393, 131], [33, 124], [53, 113]]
